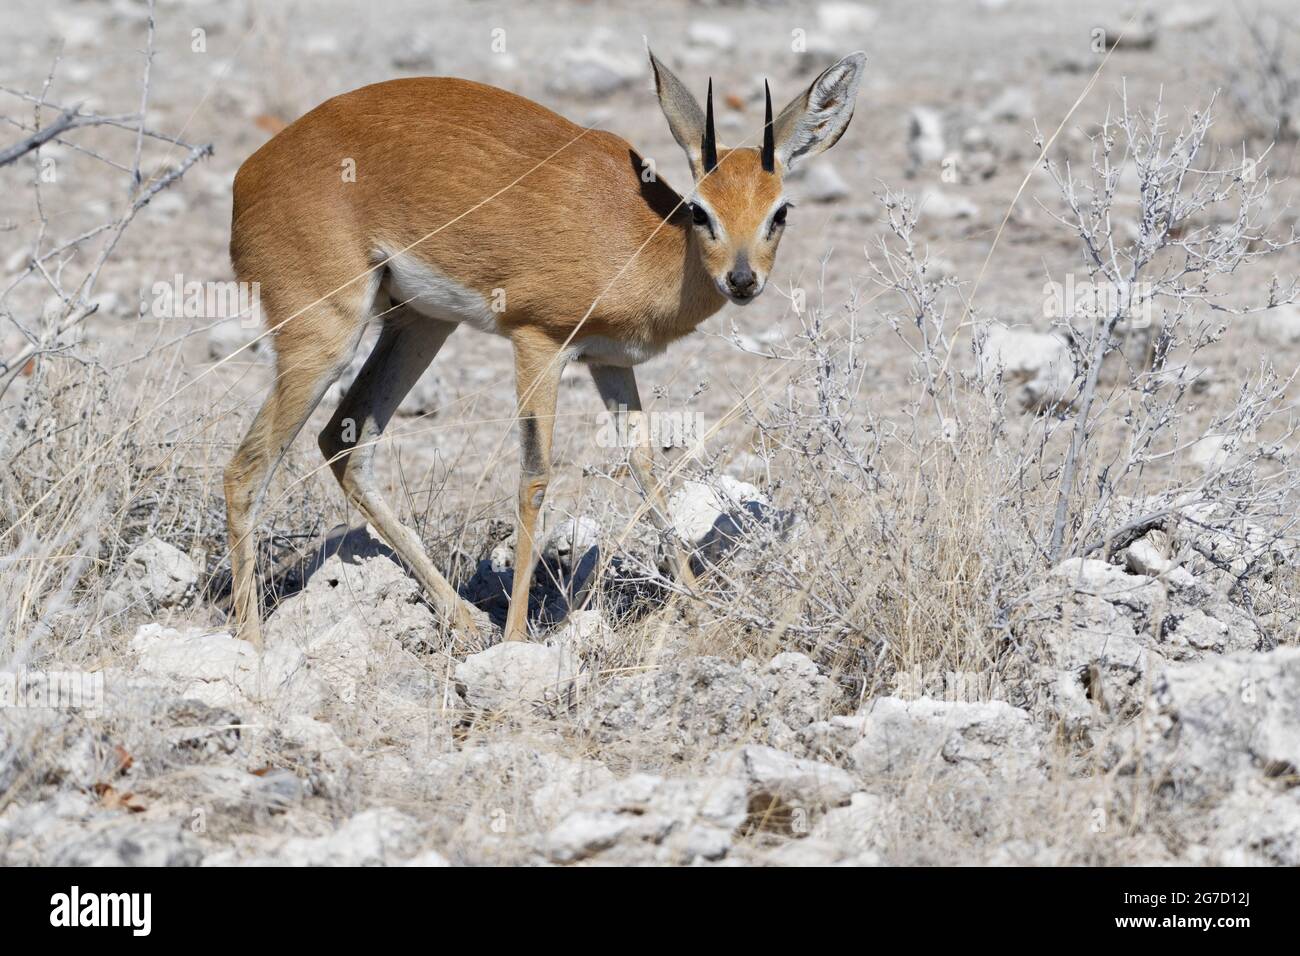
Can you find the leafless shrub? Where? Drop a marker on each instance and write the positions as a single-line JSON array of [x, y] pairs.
[[1263, 79], [908, 536], [1199, 218], [69, 459]]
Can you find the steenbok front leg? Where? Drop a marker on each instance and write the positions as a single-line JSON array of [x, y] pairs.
[[405, 348], [538, 364], [617, 387]]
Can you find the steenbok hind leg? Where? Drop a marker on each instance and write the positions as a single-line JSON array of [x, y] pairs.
[[244, 479], [405, 348], [302, 376]]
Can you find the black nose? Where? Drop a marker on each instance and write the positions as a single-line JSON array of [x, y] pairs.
[[742, 281]]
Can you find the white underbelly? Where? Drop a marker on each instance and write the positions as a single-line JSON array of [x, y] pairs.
[[606, 351], [418, 285], [426, 290]]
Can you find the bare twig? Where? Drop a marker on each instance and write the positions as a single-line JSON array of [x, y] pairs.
[[68, 119]]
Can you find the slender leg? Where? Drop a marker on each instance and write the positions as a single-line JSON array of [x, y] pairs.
[[305, 369], [538, 364], [617, 387], [405, 348]]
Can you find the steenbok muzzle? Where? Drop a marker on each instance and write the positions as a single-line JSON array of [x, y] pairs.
[[473, 206]]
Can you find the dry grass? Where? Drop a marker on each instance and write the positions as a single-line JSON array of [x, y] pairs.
[[917, 517]]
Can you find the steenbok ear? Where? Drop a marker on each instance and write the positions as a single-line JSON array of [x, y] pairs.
[[812, 122], [692, 129]]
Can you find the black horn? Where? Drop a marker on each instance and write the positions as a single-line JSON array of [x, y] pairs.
[[769, 142], [709, 151]]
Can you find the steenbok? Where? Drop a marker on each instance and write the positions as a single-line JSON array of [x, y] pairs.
[[473, 206]]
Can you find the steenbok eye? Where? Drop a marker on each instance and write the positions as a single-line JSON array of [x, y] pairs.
[[701, 218], [778, 219]]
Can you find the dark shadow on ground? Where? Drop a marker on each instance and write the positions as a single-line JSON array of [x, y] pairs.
[[625, 593]]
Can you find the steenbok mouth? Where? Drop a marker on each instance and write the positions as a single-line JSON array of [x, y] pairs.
[[740, 298]]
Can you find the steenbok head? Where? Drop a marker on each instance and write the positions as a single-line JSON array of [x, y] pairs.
[[738, 206]]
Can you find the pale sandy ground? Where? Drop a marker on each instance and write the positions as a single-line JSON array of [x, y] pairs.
[[273, 61]]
